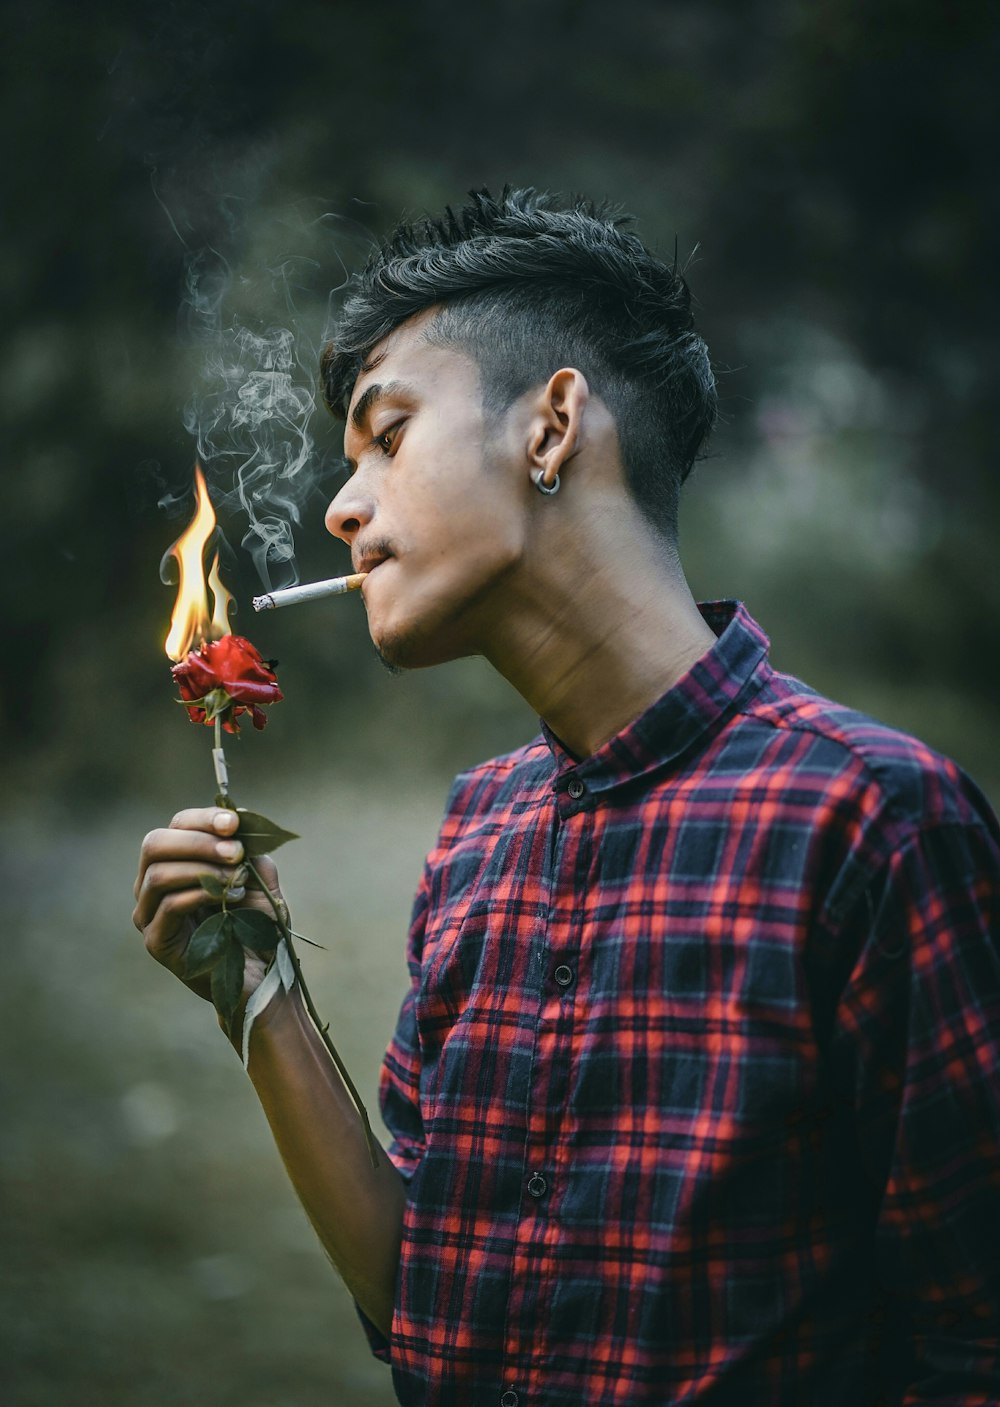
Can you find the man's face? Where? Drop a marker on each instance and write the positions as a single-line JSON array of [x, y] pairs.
[[434, 508]]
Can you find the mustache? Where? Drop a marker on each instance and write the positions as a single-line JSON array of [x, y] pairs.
[[374, 547]]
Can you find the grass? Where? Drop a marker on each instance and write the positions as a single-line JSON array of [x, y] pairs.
[[155, 1253]]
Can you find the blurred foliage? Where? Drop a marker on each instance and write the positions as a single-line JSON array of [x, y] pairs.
[[828, 161], [825, 169]]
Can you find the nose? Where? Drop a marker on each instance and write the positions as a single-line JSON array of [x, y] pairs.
[[350, 511]]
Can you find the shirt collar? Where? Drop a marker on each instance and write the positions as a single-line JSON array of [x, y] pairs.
[[734, 667]]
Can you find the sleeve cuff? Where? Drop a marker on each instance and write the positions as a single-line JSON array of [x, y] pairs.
[[377, 1341], [406, 1160]]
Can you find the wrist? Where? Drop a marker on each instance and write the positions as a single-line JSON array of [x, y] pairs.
[[282, 1014], [265, 987], [254, 971]]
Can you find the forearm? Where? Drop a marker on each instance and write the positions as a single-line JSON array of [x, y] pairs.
[[357, 1211]]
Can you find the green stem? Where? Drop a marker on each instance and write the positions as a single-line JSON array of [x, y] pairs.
[[323, 1029]]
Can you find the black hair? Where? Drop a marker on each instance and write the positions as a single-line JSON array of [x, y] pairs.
[[528, 284]]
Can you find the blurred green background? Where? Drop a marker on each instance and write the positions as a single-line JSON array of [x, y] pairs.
[[827, 171]]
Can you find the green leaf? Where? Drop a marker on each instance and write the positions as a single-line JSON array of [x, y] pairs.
[[208, 942], [259, 835], [255, 930], [227, 981], [213, 886]]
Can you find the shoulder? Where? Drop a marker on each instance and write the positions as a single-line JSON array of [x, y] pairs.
[[885, 772], [863, 796], [500, 784]]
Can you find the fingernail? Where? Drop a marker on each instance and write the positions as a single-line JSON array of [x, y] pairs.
[[225, 820], [229, 849], [236, 891], [240, 876]]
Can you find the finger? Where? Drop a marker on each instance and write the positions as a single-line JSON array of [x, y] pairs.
[[166, 933], [267, 870], [266, 874], [206, 818], [169, 877], [164, 845]]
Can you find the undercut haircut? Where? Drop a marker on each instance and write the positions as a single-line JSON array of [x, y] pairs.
[[527, 284]]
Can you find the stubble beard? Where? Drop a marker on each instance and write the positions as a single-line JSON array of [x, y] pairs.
[[386, 663]]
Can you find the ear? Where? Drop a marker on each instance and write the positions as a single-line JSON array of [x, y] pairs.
[[556, 423]]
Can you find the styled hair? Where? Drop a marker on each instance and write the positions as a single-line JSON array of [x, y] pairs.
[[528, 284]]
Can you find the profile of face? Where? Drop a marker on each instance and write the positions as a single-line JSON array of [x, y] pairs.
[[437, 505]]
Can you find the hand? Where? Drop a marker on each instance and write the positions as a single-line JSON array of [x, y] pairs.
[[170, 902]]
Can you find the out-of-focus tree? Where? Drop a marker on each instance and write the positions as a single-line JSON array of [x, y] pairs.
[[830, 161]]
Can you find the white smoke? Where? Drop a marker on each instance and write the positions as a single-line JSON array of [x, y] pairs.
[[252, 411]]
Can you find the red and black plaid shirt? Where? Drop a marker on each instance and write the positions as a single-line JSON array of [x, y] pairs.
[[696, 1085]]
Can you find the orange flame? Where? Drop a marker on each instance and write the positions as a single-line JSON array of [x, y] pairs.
[[190, 622]]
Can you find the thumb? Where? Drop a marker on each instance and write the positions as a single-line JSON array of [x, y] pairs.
[[268, 871]]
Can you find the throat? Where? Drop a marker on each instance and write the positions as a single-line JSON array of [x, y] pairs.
[[589, 674]]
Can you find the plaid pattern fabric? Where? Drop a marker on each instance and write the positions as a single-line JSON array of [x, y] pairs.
[[696, 1084]]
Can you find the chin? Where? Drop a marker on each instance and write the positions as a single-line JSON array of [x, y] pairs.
[[421, 649], [415, 643], [425, 626]]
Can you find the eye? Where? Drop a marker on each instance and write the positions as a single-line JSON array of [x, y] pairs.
[[387, 439]]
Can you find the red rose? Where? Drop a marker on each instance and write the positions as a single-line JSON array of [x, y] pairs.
[[224, 678]]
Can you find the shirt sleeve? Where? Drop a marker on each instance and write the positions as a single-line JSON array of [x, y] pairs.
[[399, 1089], [918, 1042]]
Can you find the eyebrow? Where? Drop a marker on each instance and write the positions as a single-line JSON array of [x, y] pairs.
[[370, 397]]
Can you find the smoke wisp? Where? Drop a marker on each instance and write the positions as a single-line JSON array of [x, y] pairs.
[[251, 415]]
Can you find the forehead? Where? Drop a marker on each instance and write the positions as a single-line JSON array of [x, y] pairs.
[[407, 358]]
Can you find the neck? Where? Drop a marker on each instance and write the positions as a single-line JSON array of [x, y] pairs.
[[598, 632]]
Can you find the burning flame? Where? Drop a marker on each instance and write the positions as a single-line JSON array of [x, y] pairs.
[[191, 623]]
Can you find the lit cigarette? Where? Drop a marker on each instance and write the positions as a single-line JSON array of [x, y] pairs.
[[312, 591]]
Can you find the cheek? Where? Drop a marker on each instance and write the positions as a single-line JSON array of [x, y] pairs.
[[481, 542], [442, 579]]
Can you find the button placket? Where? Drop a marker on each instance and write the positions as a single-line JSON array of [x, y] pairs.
[[549, 1056]]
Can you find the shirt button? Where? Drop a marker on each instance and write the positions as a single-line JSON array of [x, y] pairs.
[[563, 975], [537, 1185], [509, 1398], [576, 788]]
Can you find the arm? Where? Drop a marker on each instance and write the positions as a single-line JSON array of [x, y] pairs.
[[356, 1211], [918, 1031]]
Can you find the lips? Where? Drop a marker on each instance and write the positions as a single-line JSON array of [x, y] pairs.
[[371, 565], [367, 563]]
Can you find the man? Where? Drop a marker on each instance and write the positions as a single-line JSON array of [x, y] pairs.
[[693, 1097]]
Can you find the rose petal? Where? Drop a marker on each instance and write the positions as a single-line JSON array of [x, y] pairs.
[[230, 667], [238, 667]]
